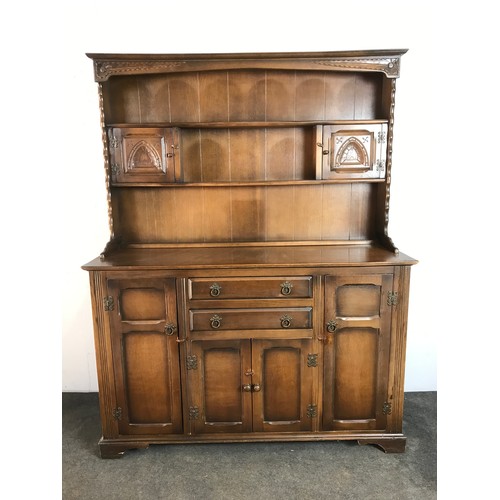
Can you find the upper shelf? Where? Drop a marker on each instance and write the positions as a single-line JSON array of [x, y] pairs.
[[243, 124], [384, 61], [349, 150]]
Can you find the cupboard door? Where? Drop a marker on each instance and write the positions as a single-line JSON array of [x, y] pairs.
[[219, 378], [146, 356], [144, 154], [282, 385], [355, 151], [356, 351]]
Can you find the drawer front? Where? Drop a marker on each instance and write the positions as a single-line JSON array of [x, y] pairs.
[[250, 288], [250, 319]]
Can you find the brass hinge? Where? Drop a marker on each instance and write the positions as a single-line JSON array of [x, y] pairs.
[[194, 413], [117, 413], [109, 303], [192, 362], [392, 298], [387, 408], [312, 410], [312, 360]]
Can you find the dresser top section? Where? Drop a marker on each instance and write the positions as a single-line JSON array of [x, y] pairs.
[[243, 257], [384, 61]]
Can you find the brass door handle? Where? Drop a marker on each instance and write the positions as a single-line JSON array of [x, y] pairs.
[[256, 387], [170, 329], [247, 388], [331, 326]]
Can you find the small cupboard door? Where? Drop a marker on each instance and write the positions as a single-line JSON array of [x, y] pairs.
[[356, 352], [146, 356], [219, 374], [144, 154], [250, 386], [283, 402], [354, 151]]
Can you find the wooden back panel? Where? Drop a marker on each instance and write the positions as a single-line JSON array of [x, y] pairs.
[[245, 213], [242, 95], [243, 154]]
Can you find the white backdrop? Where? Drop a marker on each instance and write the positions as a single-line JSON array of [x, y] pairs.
[[259, 26]]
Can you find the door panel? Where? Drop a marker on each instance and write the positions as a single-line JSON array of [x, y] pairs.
[[146, 363], [355, 378], [285, 382], [218, 398], [145, 358], [356, 352]]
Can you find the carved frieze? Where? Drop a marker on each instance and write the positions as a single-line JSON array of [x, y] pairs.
[[104, 69], [385, 61]]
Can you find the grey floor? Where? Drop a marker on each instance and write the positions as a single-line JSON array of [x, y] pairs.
[[322, 470]]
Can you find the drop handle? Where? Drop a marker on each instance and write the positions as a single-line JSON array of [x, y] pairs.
[[215, 289], [286, 288], [170, 329], [256, 387], [286, 321], [331, 326], [215, 321]]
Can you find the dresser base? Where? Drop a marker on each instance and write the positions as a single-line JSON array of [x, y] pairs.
[[116, 448]]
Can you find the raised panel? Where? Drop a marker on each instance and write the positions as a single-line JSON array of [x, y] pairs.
[[281, 376], [358, 300], [148, 377], [139, 304], [222, 374], [355, 376]]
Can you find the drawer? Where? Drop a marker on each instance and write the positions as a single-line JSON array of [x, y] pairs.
[[250, 319], [250, 288]]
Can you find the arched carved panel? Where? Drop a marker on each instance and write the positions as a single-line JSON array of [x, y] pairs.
[[144, 156], [352, 154]]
